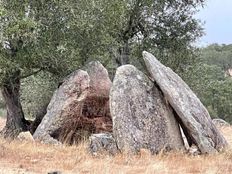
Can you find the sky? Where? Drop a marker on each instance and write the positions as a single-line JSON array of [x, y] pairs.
[[217, 15]]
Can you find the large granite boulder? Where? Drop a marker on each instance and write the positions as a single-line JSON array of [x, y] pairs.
[[78, 107], [141, 117], [193, 116]]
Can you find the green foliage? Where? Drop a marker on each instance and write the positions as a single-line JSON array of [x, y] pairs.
[[220, 55], [2, 113], [2, 104], [36, 92], [167, 28], [56, 35], [207, 79], [222, 99]]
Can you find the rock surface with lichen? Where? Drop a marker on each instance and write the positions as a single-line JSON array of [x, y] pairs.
[[141, 117]]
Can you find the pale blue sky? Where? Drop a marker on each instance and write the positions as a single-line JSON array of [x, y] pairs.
[[217, 15]]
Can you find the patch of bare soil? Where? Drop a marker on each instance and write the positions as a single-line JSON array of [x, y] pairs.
[[21, 157]]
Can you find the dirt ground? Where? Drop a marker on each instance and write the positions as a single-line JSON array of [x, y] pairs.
[[21, 157]]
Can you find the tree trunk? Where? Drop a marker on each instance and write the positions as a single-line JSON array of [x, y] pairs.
[[123, 56], [16, 122]]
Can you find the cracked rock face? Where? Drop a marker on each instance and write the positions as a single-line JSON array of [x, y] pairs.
[[141, 117], [78, 105], [192, 115]]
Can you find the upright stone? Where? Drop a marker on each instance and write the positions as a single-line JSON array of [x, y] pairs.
[[141, 117], [100, 82], [96, 105], [193, 116]]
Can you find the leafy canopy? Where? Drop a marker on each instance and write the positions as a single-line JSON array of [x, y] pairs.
[[57, 36]]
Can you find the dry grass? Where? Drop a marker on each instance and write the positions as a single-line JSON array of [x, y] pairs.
[[26, 157]]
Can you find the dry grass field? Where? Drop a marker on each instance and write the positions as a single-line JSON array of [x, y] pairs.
[[31, 157]]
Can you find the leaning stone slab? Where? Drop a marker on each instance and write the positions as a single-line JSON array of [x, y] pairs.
[[141, 117], [193, 116], [102, 142], [67, 100]]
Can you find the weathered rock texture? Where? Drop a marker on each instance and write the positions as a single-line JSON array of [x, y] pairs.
[[220, 122], [25, 136], [78, 107], [141, 117], [193, 116], [103, 142], [100, 82]]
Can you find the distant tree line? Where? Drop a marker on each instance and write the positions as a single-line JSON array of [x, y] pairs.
[[210, 81]]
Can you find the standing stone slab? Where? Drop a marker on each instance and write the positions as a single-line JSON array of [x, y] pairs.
[[193, 116], [141, 117], [100, 82], [97, 102]]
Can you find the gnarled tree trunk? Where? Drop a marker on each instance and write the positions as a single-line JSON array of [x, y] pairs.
[[16, 122]]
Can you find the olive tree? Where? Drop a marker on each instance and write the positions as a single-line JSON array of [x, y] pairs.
[[28, 46]]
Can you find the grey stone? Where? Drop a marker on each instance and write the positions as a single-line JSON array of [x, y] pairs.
[[100, 82], [102, 142], [25, 136], [141, 117], [193, 150], [193, 116], [67, 100], [220, 122], [80, 104]]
